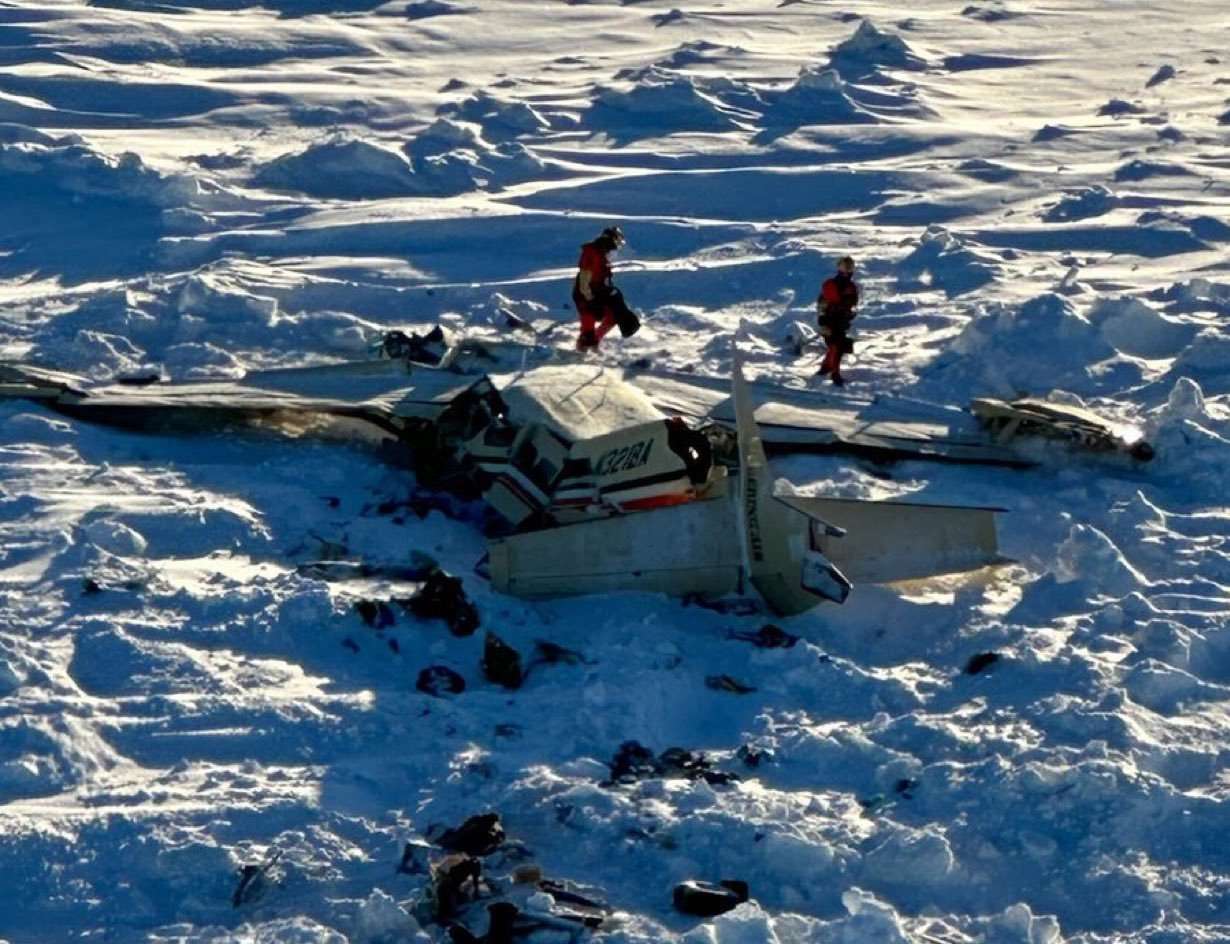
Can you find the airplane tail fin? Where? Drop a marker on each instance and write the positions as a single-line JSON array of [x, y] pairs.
[[780, 558]]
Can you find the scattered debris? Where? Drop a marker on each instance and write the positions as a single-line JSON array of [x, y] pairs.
[[1032, 416], [414, 857], [982, 660], [705, 899], [376, 613], [752, 756], [768, 636], [501, 663], [476, 908], [443, 597], [726, 683], [428, 348], [633, 761], [455, 881], [479, 835], [549, 653], [253, 878]]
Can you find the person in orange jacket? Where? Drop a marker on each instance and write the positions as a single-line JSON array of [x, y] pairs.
[[592, 292], [835, 311]]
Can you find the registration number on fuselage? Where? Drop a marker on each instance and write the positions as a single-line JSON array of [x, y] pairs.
[[624, 458]]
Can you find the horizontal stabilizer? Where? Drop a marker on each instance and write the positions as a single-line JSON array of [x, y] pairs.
[[684, 549], [888, 541]]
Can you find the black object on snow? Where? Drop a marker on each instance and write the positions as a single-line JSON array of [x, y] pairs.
[[628, 321], [706, 899], [727, 683], [768, 636], [752, 756], [440, 680], [460, 934], [252, 878], [375, 613], [633, 761], [427, 348], [981, 661], [443, 597], [455, 882], [500, 924], [905, 787], [479, 835], [501, 663]]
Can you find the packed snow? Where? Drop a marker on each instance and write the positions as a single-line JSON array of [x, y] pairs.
[[200, 668]]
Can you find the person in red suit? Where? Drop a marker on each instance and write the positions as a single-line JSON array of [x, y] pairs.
[[592, 291], [835, 310]]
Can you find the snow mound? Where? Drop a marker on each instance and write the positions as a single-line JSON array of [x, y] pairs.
[[1206, 359], [223, 298], [746, 924], [998, 350], [451, 157], [1052, 133], [100, 355], [381, 920], [1163, 74], [500, 120], [1118, 107], [69, 165], [660, 101], [114, 538], [818, 96], [1132, 327], [870, 49], [422, 9], [944, 261], [447, 158], [341, 168], [1198, 295], [1137, 170], [699, 52], [1082, 204], [871, 920], [1089, 557]]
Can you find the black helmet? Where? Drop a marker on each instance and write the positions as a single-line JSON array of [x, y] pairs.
[[615, 235]]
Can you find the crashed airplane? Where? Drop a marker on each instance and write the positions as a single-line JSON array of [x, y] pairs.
[[600, 488], [793, 550]]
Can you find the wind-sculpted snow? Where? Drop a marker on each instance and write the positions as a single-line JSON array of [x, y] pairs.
[[342, 169], [818, 97], [48, 180], [663, 102], [500, 120], [871, 49], [30, 159], [121, 39], [1083, 204], [835, 93], [191, 673], [445, 159], [944, 261]]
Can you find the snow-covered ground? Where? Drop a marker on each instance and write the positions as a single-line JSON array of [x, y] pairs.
[[1038, 196]]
